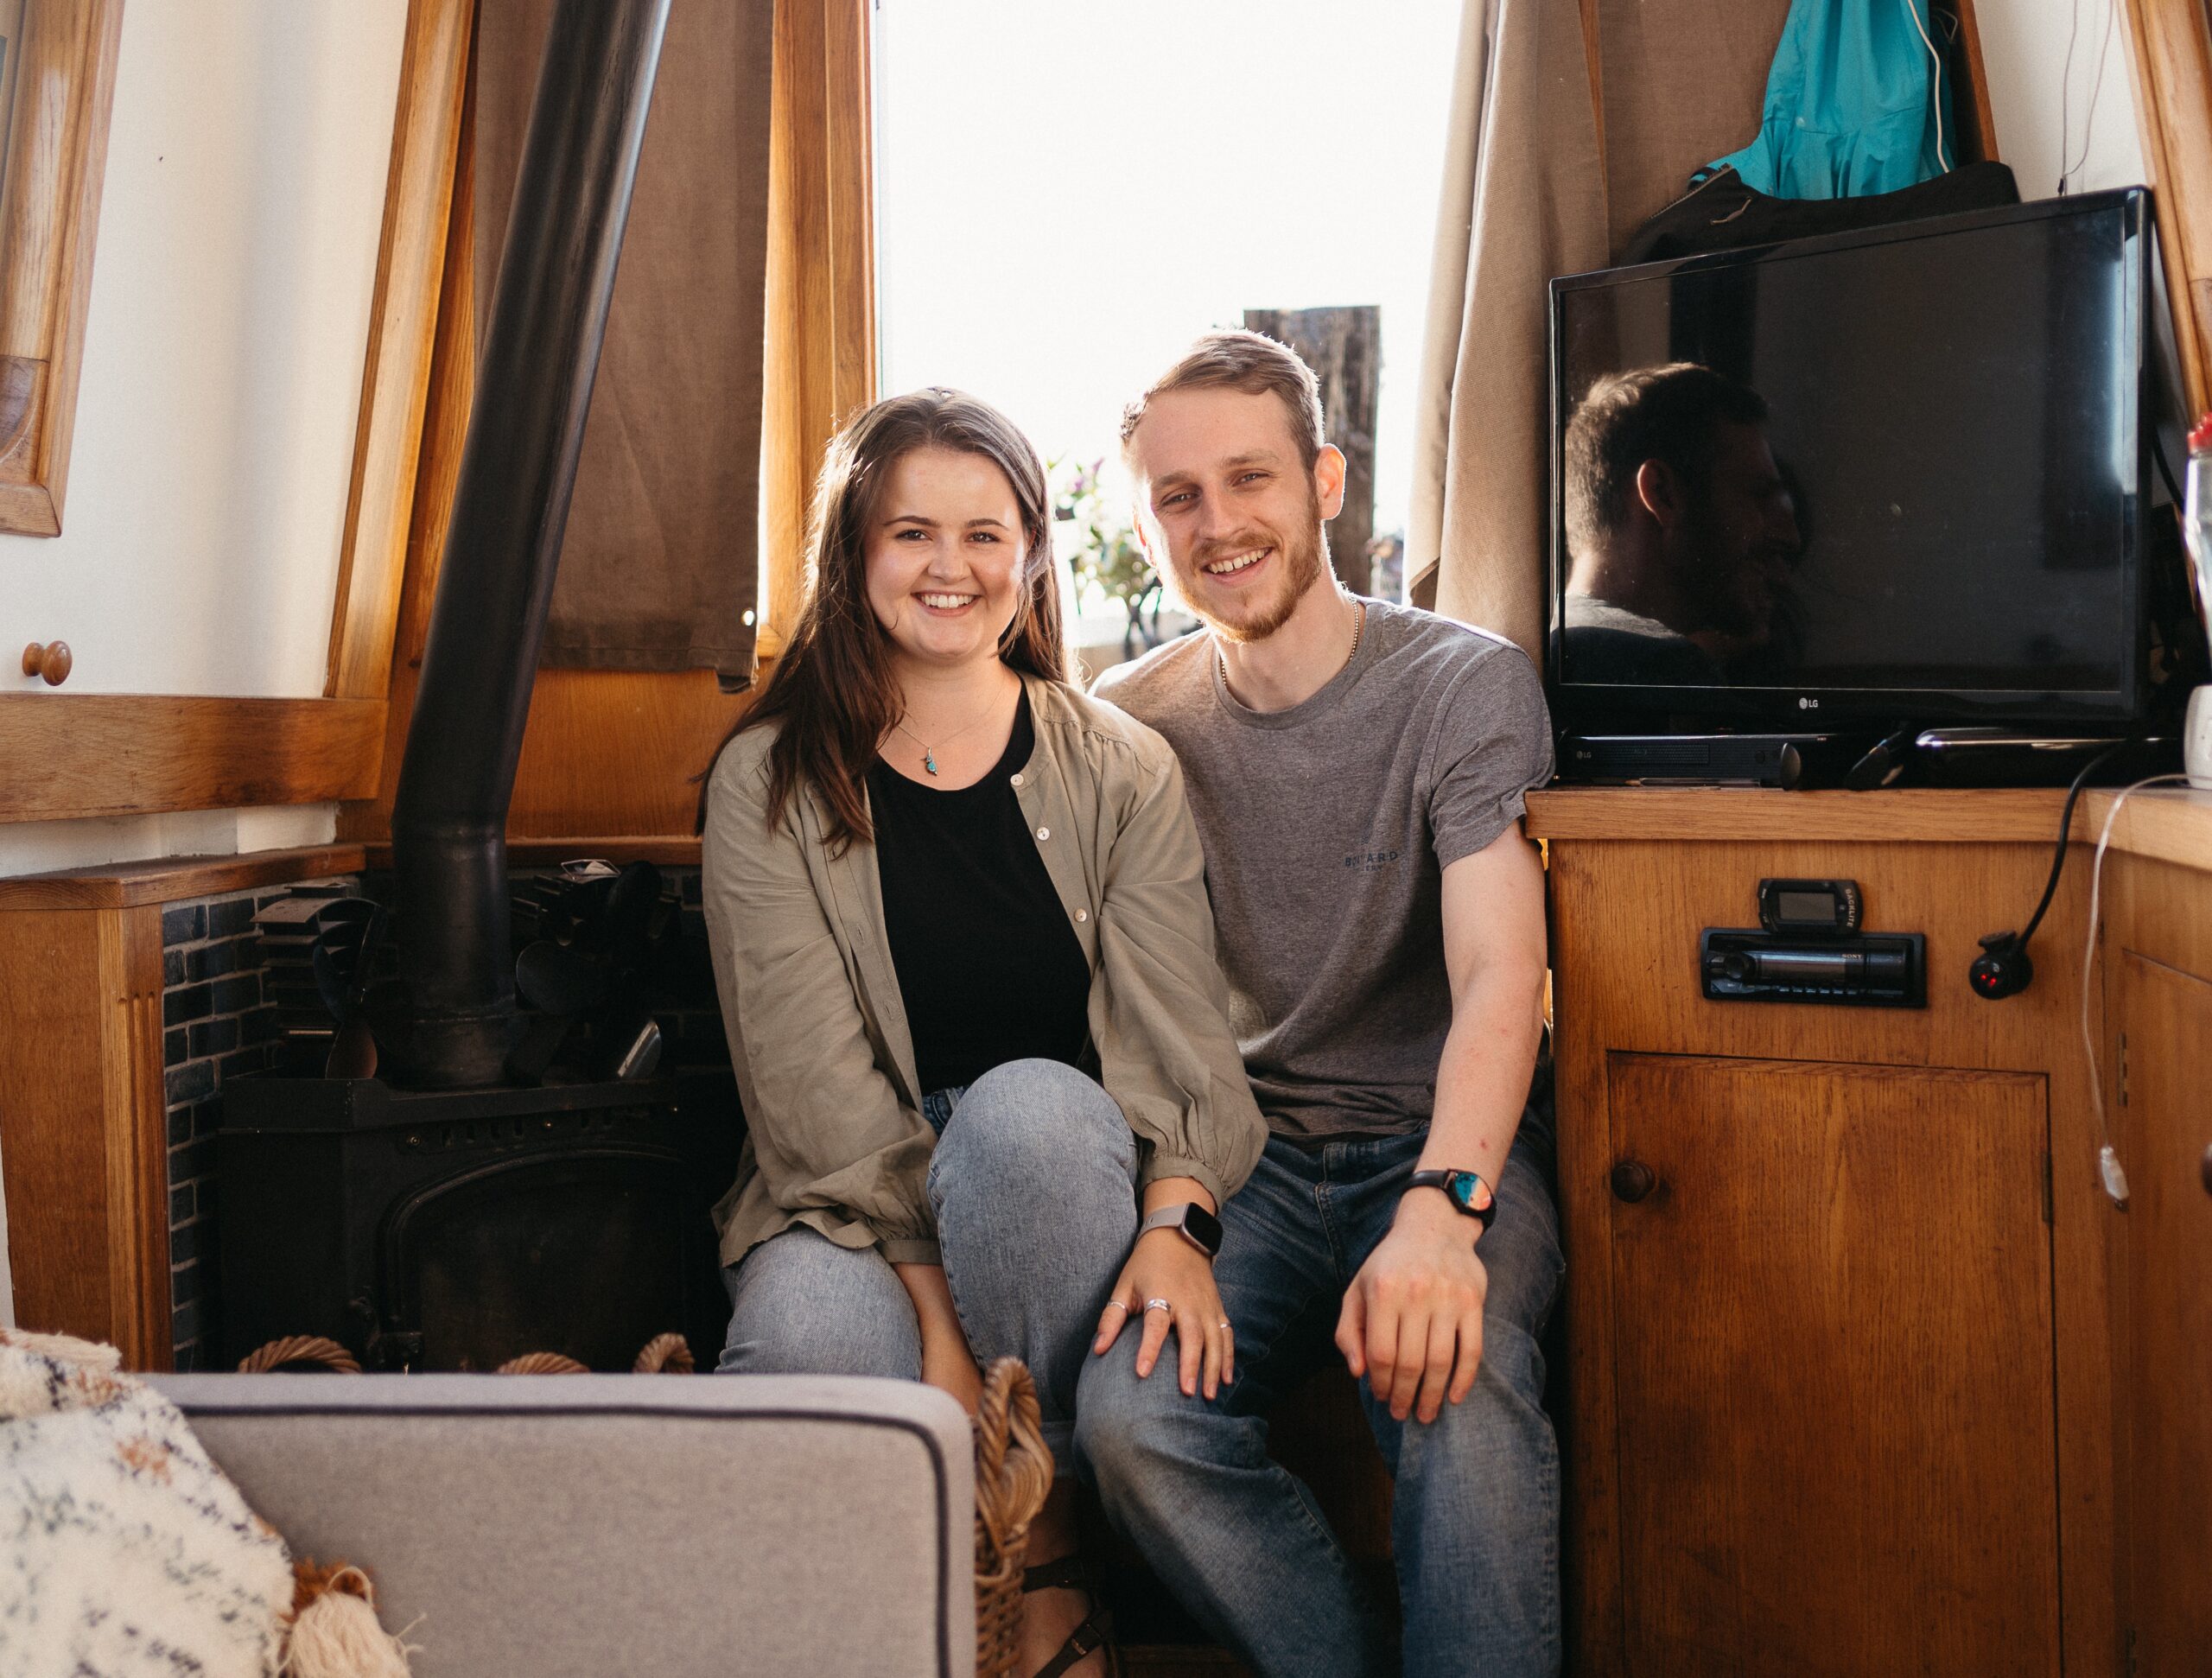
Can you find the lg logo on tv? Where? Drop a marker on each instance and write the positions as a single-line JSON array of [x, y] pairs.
[[1805, 704]]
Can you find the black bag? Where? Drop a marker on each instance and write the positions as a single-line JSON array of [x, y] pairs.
[[1721, 214]]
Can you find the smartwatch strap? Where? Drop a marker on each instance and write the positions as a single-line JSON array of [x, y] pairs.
[[1171, 1217]]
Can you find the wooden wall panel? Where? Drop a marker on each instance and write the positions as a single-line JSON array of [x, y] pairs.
[[82, 1125]]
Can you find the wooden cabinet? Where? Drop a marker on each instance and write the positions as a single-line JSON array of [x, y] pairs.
[[1840, 1388], [1831, 1348], [2161, 1108]]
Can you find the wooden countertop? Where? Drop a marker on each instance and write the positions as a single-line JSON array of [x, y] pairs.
[[2172, 823]]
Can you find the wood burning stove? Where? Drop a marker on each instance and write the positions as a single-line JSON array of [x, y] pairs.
[[455, 1230]]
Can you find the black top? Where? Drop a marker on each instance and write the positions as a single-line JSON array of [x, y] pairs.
[[988, 968]]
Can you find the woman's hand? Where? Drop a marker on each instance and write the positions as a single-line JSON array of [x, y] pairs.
[[1165, 1266], [947, 1363]]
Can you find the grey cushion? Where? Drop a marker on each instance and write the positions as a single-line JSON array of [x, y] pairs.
[[605, 1525]]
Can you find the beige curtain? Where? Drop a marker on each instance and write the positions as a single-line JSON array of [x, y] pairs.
[[1573, 121], [659, 567]]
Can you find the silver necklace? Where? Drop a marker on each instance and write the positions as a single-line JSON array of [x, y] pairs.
[[1359, 628], [929, 756]]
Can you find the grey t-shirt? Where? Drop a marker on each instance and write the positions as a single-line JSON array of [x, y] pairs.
[[1327, 829]]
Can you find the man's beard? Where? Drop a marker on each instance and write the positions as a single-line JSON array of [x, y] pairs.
[[1302, 558]]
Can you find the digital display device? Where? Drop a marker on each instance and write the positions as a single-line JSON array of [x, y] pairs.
[[1896, 473]]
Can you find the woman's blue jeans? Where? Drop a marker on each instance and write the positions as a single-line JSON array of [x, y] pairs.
[[1034, 1182]]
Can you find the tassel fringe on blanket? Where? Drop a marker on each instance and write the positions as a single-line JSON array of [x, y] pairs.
[[134, 1556]]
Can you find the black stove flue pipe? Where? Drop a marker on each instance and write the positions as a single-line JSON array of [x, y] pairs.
[[510, 509]]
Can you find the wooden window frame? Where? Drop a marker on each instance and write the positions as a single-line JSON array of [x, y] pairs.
[[2171, 54], [49, 217]]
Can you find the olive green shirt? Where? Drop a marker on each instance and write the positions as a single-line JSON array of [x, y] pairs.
[[818, 1033]]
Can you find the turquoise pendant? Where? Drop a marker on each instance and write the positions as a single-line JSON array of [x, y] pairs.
[[929, 761]]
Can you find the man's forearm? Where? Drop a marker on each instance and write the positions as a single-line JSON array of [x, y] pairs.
[[1482, 1080]]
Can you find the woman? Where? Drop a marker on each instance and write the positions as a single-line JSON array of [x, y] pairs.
[[961, 935]]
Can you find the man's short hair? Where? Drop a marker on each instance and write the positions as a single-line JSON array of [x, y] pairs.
[[1234, 359], [1672, 414]]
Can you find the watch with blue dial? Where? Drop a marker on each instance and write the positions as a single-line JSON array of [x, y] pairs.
[[1465, 1189]]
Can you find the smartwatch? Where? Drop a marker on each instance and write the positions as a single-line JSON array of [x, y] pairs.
[[1190, 1221], [1464, 1189]]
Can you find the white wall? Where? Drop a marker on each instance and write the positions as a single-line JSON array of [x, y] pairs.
[[2024, 51]]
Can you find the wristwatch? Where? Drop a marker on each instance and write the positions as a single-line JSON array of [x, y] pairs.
[[1464, 1189], [1190, 1221]]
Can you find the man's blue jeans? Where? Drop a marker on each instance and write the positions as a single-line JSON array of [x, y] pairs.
[[1034, 1183], [1238, 1539]]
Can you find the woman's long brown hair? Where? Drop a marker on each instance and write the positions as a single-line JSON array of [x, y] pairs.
[[833, 690]]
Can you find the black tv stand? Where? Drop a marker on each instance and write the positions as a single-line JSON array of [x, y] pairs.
[[2014, 757]]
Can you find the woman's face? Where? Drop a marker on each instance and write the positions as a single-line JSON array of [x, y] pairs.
[[944, 556]]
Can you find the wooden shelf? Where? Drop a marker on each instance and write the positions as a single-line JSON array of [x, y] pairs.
[[172, 879]]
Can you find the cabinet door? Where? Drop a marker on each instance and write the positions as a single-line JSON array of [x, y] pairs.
[[1833, 1367], [2164, 1126]]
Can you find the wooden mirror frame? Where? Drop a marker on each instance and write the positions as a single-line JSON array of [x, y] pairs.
[[2172, 53], [49, 215]]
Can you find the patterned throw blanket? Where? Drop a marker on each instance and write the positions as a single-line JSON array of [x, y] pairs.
[[124, 1552]]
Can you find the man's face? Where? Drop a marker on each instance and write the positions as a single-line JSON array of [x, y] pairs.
[[1741, 536], [1228, 510]]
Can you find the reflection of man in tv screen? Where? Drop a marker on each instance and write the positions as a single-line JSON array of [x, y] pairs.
[[1679, 530]]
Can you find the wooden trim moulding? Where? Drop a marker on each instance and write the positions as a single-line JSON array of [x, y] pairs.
[[49, 219], [121, 754], [402, 332], [2170, 51], [819, 366]]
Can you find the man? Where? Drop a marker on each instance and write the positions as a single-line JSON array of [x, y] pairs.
[[1680, 528], [1357, 770]]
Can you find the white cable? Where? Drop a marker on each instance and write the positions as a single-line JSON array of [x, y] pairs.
[[1935, 86], [2108, 1167]]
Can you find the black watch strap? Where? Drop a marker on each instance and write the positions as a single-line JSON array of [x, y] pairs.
[[1467, 1190]]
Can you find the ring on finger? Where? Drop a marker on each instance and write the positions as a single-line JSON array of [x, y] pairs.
[[1117, 1305], [1224, 1323], [1158, 1305]]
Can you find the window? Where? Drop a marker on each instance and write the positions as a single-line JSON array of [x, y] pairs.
[[1069, 193]]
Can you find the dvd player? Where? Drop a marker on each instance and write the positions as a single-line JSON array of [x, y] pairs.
[[1783, 761]]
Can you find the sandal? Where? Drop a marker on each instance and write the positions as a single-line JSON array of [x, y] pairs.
[[1092, 1635]]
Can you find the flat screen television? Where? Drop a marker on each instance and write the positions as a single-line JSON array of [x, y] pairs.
[[1895, 475]]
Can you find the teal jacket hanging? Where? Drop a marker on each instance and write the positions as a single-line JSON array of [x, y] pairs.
[[1858, 101]]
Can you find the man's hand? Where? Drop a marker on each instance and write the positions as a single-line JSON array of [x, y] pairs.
[[1412, 1323]]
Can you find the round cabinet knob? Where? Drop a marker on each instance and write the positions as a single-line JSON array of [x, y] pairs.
[[52, 662], [1632, 1180]]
